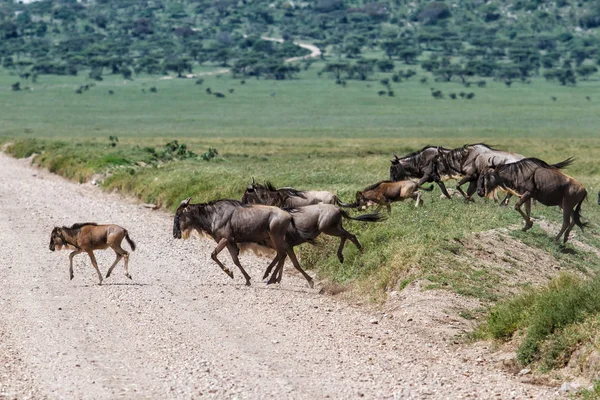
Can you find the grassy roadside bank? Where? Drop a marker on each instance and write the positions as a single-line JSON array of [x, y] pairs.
[[440, 243]]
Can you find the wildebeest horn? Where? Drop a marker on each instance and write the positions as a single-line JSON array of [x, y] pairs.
[[185, 202], [252, 181]]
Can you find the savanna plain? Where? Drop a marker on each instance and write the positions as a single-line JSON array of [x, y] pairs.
[[511, 292]]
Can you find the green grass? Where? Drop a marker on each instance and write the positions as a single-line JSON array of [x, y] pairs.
[[305, 107], [555, 320]]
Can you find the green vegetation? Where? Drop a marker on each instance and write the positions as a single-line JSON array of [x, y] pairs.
[[557, 319]]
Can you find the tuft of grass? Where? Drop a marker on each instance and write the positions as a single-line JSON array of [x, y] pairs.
[[547, 316]]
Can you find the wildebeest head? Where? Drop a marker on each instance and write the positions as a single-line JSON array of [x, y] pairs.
[[362, 202], [487, 182], [56, 239], [397, 171], [181, 221]]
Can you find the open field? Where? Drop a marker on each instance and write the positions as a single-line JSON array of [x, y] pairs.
[[311, 133], [305, 107]]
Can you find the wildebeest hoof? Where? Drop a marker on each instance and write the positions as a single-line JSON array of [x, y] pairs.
[[311, 283], [127, 275], [229, 273], [71, 278], [247, 283]]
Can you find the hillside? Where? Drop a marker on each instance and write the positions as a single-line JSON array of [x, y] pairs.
[[507, 40]]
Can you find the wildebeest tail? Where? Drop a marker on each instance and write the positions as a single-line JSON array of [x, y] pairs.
[[564, 164], [338, 202], [375, 217], [427, 189], [577, 213], [131, 242]]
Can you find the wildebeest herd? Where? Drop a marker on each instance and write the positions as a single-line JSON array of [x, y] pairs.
[[281, 219]]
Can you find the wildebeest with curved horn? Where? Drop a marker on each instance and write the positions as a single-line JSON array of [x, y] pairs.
[[422, 165], [287, 197], [89, 236], [471, 159], [233, 225], [386, 192], [532, 178]]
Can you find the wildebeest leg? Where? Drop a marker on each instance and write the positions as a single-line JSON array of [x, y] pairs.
[[113, 265], [220, 246], [388, 206], [95, 264], [439, 182], [340, 253], [504, 202], [73, 254], [526, 198], [121, 253], [462, 182], [233, 250], [270, 267], [276, 276], [471, 190], [567, 216], [292, 256], [417, 197]]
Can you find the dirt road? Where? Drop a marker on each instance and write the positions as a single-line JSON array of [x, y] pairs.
[[182, 329]]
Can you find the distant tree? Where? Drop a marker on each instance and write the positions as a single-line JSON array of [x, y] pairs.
[[362, 69], [385, 65], [585, 71]]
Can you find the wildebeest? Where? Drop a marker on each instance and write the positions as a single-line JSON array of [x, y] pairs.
[[386, 192], [310, 221], [470, 160], [287, 197], [235, 225], [89, 236], [532, 178], [422, 165]]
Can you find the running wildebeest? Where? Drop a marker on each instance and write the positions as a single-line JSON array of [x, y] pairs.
[[422, 165], [532, 178], [235, 225], [287, 197], [89, 236], [308, 223], [471, 159], [386, 192]]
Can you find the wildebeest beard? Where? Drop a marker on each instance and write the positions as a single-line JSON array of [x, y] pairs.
[[176, 227]]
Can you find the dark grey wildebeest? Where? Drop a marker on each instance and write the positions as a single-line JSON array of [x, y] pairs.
[[236, 226], [532, 178], [310, 221], [471, 159], [422, 165]]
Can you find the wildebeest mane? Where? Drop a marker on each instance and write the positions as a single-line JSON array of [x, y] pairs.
[[375, 185], [286, 190], [530, 163], [491, 147], [80, 225]]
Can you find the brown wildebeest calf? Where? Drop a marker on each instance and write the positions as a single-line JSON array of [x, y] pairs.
[[386, 192], [89, 236]]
